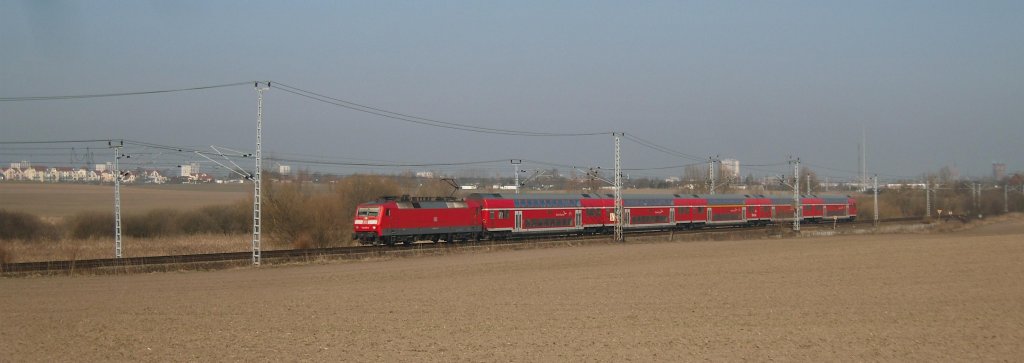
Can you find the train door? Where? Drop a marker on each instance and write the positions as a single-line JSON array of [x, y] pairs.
[[625, 222], [743, 214], [519, 221], [579, 218], [708, 211], [672, 215]]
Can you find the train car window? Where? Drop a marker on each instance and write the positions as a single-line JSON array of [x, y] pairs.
[[491, 214]]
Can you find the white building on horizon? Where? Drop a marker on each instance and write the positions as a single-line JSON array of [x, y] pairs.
[[729, 169]]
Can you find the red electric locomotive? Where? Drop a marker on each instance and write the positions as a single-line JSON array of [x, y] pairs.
[[406, 219]]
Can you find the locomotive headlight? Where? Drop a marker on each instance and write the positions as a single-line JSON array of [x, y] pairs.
[[373, 221]]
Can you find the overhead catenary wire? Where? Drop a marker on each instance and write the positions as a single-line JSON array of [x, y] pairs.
[[320, 97], [422, 120], [54, 141], [660, 148], [337, 163], [314, 159], [119, 94]]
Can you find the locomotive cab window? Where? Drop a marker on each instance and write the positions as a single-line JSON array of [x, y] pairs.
[[368, 212]]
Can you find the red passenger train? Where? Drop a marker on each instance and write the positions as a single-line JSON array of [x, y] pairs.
[[494, 216]]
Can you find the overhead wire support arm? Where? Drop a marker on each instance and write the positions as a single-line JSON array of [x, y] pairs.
[[241, 172], [226, 158], [594, 174], [536, 174]]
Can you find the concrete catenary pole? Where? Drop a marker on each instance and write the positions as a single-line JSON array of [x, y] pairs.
[[515, 169], [117, 199], [876, 198], [257, 176], [797, 208], [711, 176], [927, 200], [619, 210]]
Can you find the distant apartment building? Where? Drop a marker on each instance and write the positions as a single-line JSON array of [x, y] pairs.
[[188, 170], [998, 171], [729, 169]]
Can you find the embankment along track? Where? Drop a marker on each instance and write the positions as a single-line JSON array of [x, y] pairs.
[[229, 259]]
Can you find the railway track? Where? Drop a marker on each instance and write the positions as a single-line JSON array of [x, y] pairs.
[[240, 258]]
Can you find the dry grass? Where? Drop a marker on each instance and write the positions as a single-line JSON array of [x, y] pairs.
[[93, 248]]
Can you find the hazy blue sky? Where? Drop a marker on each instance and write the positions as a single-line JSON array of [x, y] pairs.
[[934, 83]]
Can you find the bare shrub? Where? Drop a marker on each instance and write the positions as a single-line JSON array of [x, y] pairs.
[[216, 219], [24, 226], [301, 213], [157, 222], [229, 219], [90, 225], [5, 256], [357, 189]]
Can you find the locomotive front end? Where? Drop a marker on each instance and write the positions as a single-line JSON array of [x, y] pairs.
[[366, 227]]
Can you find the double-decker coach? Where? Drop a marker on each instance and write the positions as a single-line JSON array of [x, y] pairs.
[[507, 214], [840, 208], [648, 211], [690, 211]]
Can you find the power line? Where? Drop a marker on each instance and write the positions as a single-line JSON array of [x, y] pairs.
[[52, 142], [420, 120], [337, 163], [856, 173], [98, 95], [663, 167], [660, 148]]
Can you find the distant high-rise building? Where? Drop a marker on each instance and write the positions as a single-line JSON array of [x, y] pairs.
[[730, 169], [189, 169], [998, 171]]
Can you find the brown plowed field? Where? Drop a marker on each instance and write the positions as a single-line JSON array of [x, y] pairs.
[[59, 200], [955, 296]]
